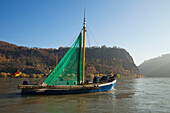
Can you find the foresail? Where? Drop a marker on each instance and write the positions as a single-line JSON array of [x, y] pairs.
[[68, 70]]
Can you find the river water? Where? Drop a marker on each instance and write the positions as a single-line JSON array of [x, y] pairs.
[[142, 95]]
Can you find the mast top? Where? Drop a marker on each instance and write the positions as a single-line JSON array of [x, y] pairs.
[[84, 27]]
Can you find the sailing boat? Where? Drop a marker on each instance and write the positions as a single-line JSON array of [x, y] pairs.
[[68, 77]]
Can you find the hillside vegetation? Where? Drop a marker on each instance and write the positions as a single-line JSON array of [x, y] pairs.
[[38, 60], [28, 60]]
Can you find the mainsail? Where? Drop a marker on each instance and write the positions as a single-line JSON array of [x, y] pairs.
[[68, 70]]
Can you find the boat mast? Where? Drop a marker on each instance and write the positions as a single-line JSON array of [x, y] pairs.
[[57, 58], [83, 60]]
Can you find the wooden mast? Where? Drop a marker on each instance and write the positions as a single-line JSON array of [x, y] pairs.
[[57, 58], [83, 60]]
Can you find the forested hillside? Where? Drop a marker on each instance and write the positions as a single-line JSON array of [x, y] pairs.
[[38, 60], [107, 60], [28, 60]]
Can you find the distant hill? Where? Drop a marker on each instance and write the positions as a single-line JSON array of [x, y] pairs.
[[39, 60], [156, 67]]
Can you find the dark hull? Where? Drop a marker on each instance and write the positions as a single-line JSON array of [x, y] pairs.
[[58, 91]]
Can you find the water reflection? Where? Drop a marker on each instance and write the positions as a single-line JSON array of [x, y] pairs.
[[94, 102], [125, 88]]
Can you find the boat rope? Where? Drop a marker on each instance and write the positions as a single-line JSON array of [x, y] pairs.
[[75, 37], [88, 39], [92, 35], [71, 41]]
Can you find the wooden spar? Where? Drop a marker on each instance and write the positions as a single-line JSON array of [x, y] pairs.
[[57, 58], [78, 87], [83, 60]]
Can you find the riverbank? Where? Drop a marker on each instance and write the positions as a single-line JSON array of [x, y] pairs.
[[88, 76], [131, 76], [22, 75]]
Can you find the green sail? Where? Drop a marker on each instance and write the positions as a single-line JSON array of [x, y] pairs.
[[68, 70]]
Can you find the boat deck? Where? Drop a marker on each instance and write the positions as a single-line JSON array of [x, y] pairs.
[[75, 87]]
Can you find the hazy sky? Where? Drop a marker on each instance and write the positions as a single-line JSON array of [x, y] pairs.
[[142, 27]]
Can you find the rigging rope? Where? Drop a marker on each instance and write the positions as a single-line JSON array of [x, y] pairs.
[[92, 36], [75, 37], [88, 39]]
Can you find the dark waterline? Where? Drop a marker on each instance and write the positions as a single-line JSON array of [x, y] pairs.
[[131, 95]]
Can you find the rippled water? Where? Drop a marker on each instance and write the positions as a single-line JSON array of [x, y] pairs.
[[131, 95]]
